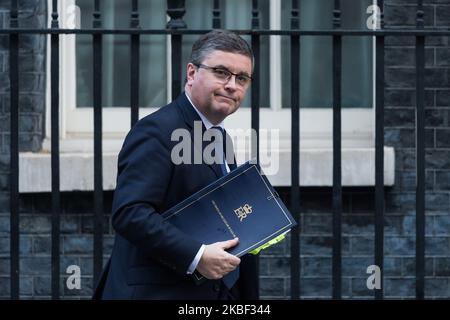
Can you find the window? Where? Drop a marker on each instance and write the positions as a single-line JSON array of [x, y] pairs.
[[316, 56], [116, 55], [316, 72], [155, 77]]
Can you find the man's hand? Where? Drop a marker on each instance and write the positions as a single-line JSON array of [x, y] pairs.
[[216, 262]]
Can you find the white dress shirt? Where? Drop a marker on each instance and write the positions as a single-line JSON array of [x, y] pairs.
[[208, 125]]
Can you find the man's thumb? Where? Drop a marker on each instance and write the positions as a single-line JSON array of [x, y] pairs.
[[230, 243]]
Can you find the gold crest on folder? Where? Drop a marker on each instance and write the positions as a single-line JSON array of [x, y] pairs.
[[243, 211]]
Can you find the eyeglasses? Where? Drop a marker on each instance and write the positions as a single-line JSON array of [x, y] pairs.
[[224, 75]]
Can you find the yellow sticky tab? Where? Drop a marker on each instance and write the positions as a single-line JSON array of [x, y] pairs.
[[270, 243]]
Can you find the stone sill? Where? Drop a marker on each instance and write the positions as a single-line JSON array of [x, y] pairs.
[[316, 169]]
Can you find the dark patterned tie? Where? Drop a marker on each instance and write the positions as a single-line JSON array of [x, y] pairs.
[[220, 149], [231, 278]]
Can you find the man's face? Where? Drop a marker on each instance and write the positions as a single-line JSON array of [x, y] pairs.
[[214, 97]]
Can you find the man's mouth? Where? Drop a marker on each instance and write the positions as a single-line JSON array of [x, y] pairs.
[[226, 97]]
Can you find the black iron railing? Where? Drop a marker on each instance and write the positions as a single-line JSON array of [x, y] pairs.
[[177, 29]]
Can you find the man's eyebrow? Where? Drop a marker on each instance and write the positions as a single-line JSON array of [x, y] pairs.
[[220, 66]]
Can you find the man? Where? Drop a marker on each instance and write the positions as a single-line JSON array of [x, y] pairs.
[[152, 259]]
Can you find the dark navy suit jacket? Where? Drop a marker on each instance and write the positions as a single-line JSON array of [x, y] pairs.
[[150, 257]]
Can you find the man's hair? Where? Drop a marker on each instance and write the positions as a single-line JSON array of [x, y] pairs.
[[222, 40]]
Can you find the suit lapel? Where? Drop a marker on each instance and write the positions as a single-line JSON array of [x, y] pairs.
[[190, 117]]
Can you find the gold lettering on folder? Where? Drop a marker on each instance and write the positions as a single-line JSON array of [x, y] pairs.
[[223, 219], [243, 211]]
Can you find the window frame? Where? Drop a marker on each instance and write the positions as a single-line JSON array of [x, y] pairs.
[[315, 123]]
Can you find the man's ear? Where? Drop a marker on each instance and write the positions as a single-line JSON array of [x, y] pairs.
[[191, 69]]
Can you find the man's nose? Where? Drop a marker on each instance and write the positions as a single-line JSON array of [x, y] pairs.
[[231, 83]]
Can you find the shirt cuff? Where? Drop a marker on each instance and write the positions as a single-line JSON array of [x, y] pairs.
[[196, 260]]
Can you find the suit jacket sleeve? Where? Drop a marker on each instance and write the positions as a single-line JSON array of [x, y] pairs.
[[144, 173]]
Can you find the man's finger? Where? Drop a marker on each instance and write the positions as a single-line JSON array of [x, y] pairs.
[[234, 261], [229, 243]]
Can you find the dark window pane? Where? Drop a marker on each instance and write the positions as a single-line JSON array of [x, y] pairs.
[[116, 55], [316, 56]]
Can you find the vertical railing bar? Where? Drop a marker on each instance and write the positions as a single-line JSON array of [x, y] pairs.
[[176, 62], [176, 40], [98, 166], [55, 162], [295, 152], [176, 11], [379, 154], [134, 64], [216, 23], [337, 181], [255, 43], [255, 91], [14, 152], [420, 156]]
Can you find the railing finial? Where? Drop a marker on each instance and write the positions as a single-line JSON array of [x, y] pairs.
[[97, 22], [55, 23], [419, 15], [337, 14], [255, 15], [295, 16], [134, 21], [176, 11], [216, 23], [13, 15]]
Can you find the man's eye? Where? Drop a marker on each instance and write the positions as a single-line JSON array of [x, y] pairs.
[[221, 72], [242, 79]]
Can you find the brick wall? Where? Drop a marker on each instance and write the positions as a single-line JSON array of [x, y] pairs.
[[76, 244], [400, 133], [358, 217], [32, 50], [316, 207]]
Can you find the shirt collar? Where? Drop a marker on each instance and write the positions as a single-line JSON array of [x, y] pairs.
[[206, 122]]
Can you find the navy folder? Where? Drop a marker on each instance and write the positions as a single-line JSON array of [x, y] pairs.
[[240, 204]]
